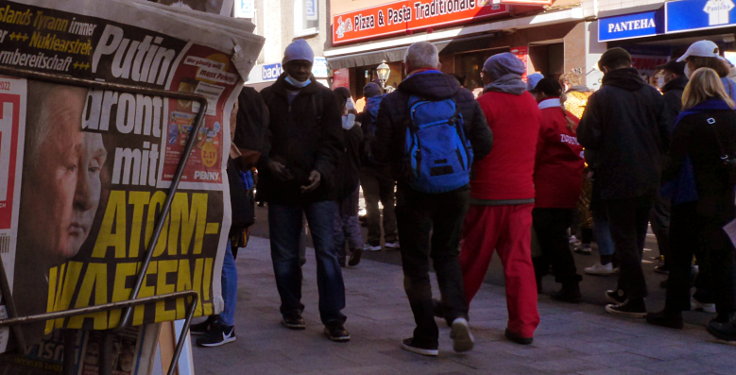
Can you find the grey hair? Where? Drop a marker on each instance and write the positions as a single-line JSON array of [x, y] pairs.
[[422, 55]]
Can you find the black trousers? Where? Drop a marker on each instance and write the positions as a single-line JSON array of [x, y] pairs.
[[692, 232], [628, 219], [551, 225], [430, 227]]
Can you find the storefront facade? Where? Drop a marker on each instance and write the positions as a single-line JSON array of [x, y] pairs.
[[551, 39]]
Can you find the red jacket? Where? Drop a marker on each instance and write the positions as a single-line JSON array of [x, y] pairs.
[[558, 175], [506, 173]]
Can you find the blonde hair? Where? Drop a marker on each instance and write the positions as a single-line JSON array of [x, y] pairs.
[[704, 84]]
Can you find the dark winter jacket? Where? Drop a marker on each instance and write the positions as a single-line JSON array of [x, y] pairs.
[[673, 97], [304, 135], [347, 174], [393, 118], [625, 132], [695, 137]]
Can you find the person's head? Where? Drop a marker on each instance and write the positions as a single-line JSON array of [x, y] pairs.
[[704, 84], [704, 54], [671, 70], [372, 89], [421, 55], [500, 65], [547, 88], [89, 187], [342, 94], [298, 60], [532, 80], [56, 192], [613, 59]]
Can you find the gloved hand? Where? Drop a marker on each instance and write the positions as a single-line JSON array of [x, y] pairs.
[[314, 180]]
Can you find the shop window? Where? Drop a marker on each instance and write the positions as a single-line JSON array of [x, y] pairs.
[[306, 17]]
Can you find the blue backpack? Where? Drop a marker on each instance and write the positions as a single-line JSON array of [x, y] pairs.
[[438, 152]]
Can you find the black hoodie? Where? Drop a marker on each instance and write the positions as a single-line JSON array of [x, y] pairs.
[[673, 96], [393, 117], [625, 127]]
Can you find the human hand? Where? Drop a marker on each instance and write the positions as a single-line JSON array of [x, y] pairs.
[[314, 180], [279, 170]]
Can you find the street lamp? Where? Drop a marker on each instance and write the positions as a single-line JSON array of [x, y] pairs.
[[383, 71]]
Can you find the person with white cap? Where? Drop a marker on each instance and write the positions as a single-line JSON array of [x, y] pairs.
[[306, 142], [625, 132], [706, 54]]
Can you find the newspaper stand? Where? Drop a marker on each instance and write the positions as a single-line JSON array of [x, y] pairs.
[[106, 365]]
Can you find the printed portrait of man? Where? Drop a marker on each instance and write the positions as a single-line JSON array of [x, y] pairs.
[[60, 190]]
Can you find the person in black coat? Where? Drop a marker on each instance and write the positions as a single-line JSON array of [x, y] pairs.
[[297, 180], [625, 132], [702, 187]]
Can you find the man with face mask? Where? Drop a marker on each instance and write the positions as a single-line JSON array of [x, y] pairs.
[[306, 143]]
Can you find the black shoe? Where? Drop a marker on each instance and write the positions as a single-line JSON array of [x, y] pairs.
[[725, 331], [569, 293], [355, 255], [616, 296], [341, 261], [517, 338], [661, 269], [337, 332], [218, 335], [294, 322], [429, 350], [630, 308], [665, 318], [203, 327]]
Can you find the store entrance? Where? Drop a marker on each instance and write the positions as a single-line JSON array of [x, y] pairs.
[[468, 66]]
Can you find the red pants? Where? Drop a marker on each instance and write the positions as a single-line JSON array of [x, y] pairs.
[[506, 229]]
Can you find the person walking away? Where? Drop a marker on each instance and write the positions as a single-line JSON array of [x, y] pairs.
[[375, 179], [625, 132], [558, 179], [430, 130], [305, 146], [347, 226], [502, 195], [700, 176], [706, 54]]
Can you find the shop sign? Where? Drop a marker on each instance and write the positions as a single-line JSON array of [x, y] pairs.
[[688, 15], [630, 26], [319, 68], [407, 16], [270, 72]]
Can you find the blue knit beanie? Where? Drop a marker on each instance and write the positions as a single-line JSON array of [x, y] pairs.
[[532, 80], [503, 63], [298, 50]]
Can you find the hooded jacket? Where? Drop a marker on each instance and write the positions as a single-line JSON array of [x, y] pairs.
[[393, 118], [625, 130], [672, 91], [304, 135]]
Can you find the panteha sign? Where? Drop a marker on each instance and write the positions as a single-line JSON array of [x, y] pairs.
[[407, 16], [630, 26]]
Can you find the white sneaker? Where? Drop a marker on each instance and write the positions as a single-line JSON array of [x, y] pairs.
[[600, 269], [392, 245], [368, 247], [696, 305], [462, 338]]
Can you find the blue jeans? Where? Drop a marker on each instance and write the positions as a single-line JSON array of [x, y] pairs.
[[229, 287], [285, 223], [602, 233]]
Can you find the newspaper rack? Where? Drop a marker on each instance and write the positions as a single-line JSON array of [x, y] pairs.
[[128, 304]]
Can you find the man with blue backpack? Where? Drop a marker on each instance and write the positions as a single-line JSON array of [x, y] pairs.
[[430, 130]]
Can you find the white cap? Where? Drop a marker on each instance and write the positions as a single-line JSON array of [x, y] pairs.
[[701, 48]]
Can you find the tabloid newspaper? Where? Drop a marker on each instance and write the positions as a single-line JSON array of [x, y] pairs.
[[84, 172]]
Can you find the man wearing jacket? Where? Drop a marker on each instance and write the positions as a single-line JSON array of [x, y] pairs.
[[305, 144], [419, 213], [625, 132]]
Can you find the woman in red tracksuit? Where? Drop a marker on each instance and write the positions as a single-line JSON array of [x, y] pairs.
[[558, 178]]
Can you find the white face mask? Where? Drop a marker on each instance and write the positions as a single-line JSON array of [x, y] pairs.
[[688, 72], [660, 81]]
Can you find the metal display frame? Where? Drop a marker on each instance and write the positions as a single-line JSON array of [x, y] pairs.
[[15, 321]]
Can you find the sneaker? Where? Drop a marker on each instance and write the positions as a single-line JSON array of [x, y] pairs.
[[573, 240], [584, 249], [616, 296], [369, 247], [410, 346], [628, 309], [462, 338], [392, 245], [600, 269], [203, 327], [337, 332], [518, 338], [696, 305], [295, 322], [665, 318], [218, 335], [355, 257]]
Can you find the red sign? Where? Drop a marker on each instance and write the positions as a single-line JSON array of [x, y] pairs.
[[341, 78], [406, 16]]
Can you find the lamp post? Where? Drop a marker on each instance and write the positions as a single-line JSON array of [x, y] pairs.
[[383, 71]]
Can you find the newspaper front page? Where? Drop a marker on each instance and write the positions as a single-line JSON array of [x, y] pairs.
[[84, 172]]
